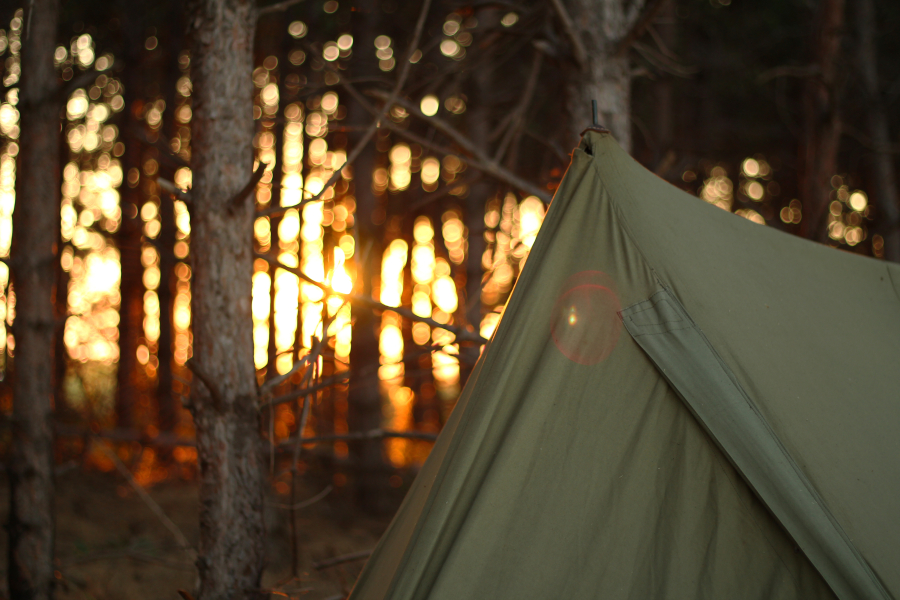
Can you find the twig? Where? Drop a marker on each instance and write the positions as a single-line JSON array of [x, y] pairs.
[[339, 560], [578, 48], [308, 502], [324, 384], [461, 333], [357, 436], [127, 553], [235, 203], [518, 113], [367, 136], [277, 7], [172, 189], [639, 26], [442, 192], [153, 506], [140, 135], [478, 159], [161, 440]]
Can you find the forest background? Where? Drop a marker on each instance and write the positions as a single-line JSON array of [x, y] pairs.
[[250, 252]]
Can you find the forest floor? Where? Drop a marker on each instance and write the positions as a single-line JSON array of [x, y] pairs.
[[110, 545]]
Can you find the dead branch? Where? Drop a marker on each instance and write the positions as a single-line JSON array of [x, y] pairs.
[[165, 152], [235, 203], [308, 502], [461, 334], [324, 384], [173, 190], [639, 26], [339, 560], [578, 49], [161, 440], [197, 370], [476, 158], [153, 506], [518, 114], [358, 436], [367, 137], [277, 7], [443, 191]]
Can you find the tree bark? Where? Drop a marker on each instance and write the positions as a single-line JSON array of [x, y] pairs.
[[821, 120], [885, 189], [603, 74], [224, 401], [364, 400], [37, 231], [480, 125], [128, 237], [166, 402]]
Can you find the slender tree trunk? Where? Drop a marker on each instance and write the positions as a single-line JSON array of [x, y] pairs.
[[821, 119], [167, 403], [885, 192], [364, 400], [224, 403], [602, 74], [480, 125], [37, 230], [128, 237]]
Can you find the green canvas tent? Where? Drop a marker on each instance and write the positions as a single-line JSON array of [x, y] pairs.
[[677, 403]]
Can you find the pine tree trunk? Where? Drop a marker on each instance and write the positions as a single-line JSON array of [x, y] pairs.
[[224, 400], [167, 403], [36, 232], [821, 120], [128, 237], [885, 192], [604, 74], [364, 399]]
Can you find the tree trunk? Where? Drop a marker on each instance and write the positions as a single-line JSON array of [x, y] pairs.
[[602, 74], [885, 192], [167, 403], [224, 401], [364, 399], [821, 120], [480, 125], [128, 237], [37, 231]]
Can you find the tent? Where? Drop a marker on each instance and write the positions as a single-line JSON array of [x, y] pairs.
[[678, 403]]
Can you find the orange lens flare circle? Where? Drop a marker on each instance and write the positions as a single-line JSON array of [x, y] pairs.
[[585, 322]]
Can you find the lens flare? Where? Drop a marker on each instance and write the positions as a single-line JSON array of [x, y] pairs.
[[585, 323]]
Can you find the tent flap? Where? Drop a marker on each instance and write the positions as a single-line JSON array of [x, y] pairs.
[[684, 356]]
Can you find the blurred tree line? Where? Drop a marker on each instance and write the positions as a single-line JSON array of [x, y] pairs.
[[316, 210]]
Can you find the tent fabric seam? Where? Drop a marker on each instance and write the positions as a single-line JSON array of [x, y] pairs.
[[798, 474], [730, 375]]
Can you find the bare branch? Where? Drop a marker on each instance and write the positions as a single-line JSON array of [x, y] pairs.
[[173, 190], [277, 7], [357, 436], [639, 26], [578, 49], [339, 560], [477, 158], [153, 506], [461, 333], [197, 370], [518, 113], [367, 137], [308, 502], [235, 203], [323, 384], [443, 191]]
